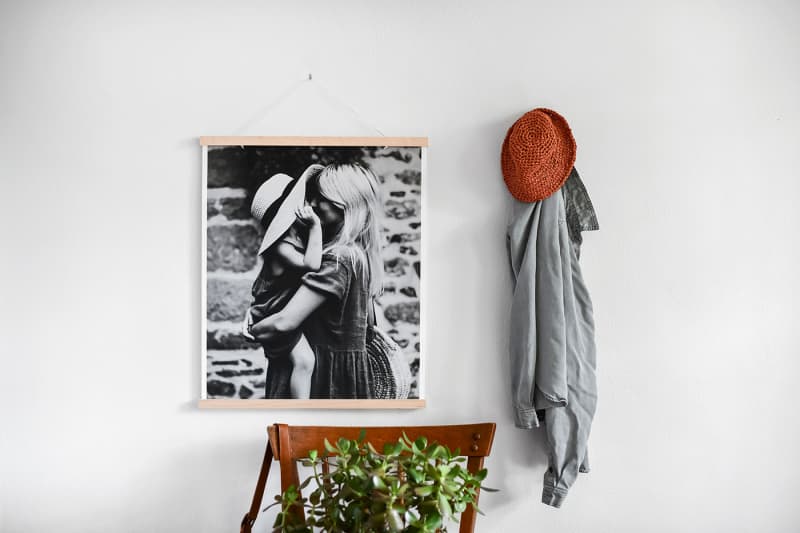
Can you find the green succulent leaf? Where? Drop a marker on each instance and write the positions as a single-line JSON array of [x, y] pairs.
[[394, 521], [433, 521], [444, 506], [343, 445], [425, 490], [416, 476]]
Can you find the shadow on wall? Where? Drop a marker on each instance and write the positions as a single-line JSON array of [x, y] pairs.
[[236, 368]]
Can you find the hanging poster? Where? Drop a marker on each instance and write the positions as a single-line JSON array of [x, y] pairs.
[[311, 261]]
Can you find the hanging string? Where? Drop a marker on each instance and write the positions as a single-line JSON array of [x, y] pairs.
[[269, 108], [344, 104], [274, 104]]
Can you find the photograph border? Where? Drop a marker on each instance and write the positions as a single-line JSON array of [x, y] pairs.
[[236, 403]]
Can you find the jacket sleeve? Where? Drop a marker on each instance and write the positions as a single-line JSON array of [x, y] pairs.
[[567, 426], [537, 344]]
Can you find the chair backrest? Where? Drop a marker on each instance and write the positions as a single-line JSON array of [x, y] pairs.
[[292, 443]]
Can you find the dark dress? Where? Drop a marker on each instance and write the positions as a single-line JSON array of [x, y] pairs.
[[336, 331]]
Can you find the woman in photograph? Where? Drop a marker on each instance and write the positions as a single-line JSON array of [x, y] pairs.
[[332, 305]]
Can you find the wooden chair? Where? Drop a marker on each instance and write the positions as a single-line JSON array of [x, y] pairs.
[[288, 444]]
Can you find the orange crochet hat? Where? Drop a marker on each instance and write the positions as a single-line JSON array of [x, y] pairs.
[[538, 155]]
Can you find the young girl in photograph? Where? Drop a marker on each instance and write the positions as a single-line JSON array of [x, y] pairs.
[[292, 246]]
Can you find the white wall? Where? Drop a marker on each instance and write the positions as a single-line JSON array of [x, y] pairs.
[[687, 119]]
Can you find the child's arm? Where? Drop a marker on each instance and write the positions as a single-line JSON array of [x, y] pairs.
[[311, 259], [313, 256], [247, 323]]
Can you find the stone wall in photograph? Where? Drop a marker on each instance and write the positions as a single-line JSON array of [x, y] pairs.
[[236, 368]]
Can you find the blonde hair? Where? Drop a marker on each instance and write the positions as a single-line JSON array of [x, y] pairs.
[[355, 190]]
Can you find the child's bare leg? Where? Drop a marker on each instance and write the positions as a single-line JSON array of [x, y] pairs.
[[303, 360]]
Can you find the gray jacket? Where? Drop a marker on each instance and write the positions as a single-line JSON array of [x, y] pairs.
[[552, 330]]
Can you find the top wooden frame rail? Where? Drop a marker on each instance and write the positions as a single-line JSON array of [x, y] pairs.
[[312, 141]]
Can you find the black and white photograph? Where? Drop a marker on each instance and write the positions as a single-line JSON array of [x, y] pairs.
[[313, 260]]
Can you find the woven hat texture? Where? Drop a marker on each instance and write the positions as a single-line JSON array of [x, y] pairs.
[[276, 201], [538, 155], [389, 369], [268, 193]]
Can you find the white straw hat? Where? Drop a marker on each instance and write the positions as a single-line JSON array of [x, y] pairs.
[[276, 201]]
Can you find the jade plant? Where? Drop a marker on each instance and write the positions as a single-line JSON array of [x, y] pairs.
[[413, 486]]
